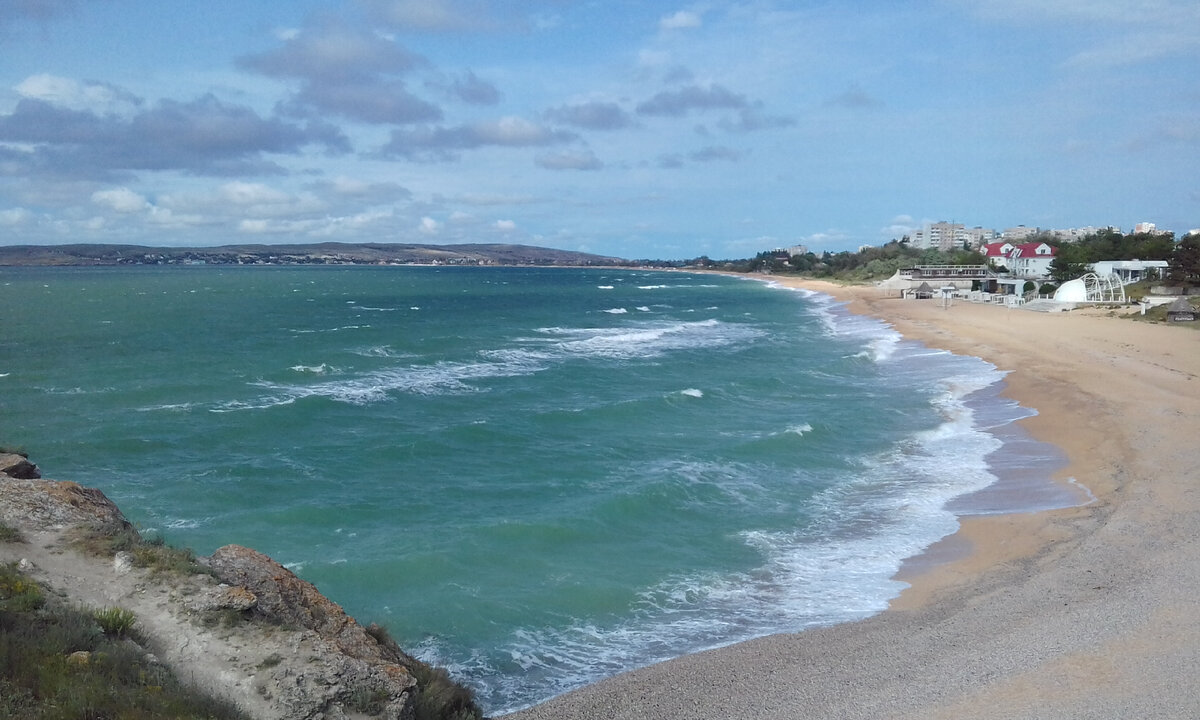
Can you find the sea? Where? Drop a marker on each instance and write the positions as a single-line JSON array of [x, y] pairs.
[[535, 477]]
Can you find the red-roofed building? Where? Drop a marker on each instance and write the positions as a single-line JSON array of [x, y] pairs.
[[1031, 260], [997, 253]]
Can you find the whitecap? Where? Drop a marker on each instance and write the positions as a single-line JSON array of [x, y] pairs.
[[604, 287], [616, 311], [642, 308], [692, 392], [175, 407], [314, 369], [800, 429]]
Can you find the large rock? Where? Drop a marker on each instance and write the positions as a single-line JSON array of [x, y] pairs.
[[18, 466], [286, 599], [35, 504], [357, 659]]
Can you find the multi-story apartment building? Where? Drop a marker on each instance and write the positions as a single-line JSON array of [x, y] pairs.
[[1019, 233], [946, 236]]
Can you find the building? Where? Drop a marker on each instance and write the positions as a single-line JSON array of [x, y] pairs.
[[795, 250], [997, 253], [1031, 260], [1019, 233], [1076, 234], [1131, 271]]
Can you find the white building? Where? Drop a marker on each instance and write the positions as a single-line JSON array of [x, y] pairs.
[[1131, 271], [1019, 233], [947, 236], [1077, 234], [997, 253], [1031, 260]]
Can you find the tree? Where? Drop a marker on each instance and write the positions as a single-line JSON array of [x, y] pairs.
[[1185, 261], [1070, 262]]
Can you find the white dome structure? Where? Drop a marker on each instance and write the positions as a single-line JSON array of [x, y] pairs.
[[1091, 288], [1072, 291]]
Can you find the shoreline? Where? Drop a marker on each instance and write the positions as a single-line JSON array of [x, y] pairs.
[[1086, 611]]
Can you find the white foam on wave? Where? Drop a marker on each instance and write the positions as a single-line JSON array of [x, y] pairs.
[[616, 311], [649, 339], [642, 308], [383, 351], [800, 430], [692, 392], [172, 407], [604, 287], [435, 379], [313, 369]]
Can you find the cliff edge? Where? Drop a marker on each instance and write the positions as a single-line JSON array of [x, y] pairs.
[[237, 625]]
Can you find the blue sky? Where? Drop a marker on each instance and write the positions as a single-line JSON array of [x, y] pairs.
[[637, 129]]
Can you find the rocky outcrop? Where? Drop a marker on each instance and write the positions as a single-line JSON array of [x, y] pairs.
[[18, 466], [255, 634], [282, 598], [54, 505]]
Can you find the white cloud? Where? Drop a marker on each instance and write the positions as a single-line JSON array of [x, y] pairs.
[[66, 92], [505, 225], [15, 216], [123, 200], [244, 193], [429, 226], [680, 20]]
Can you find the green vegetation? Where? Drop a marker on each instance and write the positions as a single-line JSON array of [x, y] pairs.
[[58, 663], [9, 534], [153, 553], [115, 622], [439, 697], [1073, 258], [872, 263]]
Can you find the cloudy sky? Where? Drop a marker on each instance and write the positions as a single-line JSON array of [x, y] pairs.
[[637, 128]]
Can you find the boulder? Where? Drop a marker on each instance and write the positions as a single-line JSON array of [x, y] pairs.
[[52, 505], [18, 466]]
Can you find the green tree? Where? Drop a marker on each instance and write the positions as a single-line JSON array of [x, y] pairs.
[[1070, 262], [1185, 261]]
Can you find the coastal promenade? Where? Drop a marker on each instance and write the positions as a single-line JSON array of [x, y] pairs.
[[1087, 612]]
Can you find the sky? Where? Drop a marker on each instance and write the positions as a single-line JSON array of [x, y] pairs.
[[634, 128]]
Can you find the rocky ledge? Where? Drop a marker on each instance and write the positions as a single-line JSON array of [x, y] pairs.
[[237, 624]]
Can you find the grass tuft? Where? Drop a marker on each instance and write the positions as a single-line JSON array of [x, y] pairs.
[[115, 622], [114, 681], [9, 534], [152, 553]]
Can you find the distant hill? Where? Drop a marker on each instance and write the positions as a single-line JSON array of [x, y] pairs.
[[318, 254]]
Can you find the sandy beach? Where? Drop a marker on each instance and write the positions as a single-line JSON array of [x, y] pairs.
[[1086, 612]]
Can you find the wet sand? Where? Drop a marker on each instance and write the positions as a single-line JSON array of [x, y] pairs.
[[1085, 612]]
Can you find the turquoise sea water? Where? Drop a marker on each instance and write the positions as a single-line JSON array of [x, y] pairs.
[[537, 477]]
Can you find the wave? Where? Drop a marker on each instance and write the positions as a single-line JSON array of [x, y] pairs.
[[692, 392], [616, 311], [648, 340], [313, 369]]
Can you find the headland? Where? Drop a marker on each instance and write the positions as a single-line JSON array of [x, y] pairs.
[[1089, 611]]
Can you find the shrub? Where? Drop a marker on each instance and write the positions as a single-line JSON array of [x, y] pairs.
[[10, 534], [115, 621], [152, 553], [116, 681], [17, 592]]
